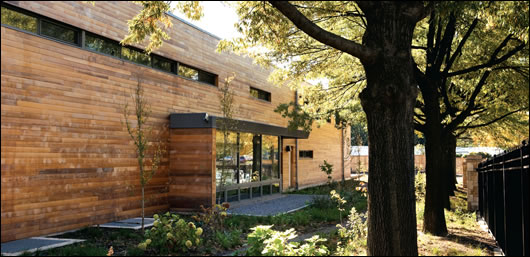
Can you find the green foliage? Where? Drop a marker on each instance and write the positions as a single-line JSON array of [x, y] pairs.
[[146, 23], [171, 234], [340, 202], [212, 218], [264, 241], [354, 235], [228, 239], [80, 249], [328, 169], [419, 186]]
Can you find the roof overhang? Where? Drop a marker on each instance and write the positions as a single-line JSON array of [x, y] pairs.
[[204, 120]]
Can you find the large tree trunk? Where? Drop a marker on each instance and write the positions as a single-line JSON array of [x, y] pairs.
[[388, 101], [435, 189], [436, 196], [449, 155]]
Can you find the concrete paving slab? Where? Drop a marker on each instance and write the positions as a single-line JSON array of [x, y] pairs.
[[18, 247], [134, 223]]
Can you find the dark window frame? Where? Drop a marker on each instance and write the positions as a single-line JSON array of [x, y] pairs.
[[25, 12], [80, 42], [77, 31], [260, 92], [305, 154], [88, 33]]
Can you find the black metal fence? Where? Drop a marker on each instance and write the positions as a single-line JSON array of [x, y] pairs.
[[503, 199]]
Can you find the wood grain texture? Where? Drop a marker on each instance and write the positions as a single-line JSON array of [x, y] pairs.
[[66, 158]]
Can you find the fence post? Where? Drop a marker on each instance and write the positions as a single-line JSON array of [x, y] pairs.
[[472, 162]]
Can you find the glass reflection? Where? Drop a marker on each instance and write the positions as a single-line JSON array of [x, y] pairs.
[[246, 157], [270, 158], [226, 161]]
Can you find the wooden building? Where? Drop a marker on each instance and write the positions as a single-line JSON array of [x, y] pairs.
[[67, 160]]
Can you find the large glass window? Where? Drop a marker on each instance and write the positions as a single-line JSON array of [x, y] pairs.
[[246, 158], [19, 20], [102, 45], [135, 56], [247, 168], [226, 160], [59, 32], [270, 155]]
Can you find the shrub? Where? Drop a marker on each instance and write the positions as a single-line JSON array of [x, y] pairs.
[[328, 169], [171, 234], [340, 202], [228, 239], [212, 218], [268, 242], [419, 185], [353, 236]]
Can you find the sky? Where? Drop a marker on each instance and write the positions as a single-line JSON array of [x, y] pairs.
[[218, 19]]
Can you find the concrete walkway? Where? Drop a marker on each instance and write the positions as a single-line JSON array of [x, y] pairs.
[[270, 206]]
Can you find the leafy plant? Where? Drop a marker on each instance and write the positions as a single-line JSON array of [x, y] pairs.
[[353, 236], [171, 234], [419, 185], [228, 239], [328, 169], [340, 202], [212, 218], [264, 241]]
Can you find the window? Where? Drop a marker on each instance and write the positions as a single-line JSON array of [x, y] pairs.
[[59, 32], [135, 56], [260, 94], [43, 26], [161, 63], [306, 154], [102, 45], [188, 72], [19, 20], [207, 77]]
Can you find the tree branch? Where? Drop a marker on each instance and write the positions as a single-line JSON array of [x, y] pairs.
[[449, 64], [464, 114], [364, 53], [493, 60], [491, 121]]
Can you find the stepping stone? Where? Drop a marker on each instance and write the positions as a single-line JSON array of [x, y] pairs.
[[134, 223], [18, 247]]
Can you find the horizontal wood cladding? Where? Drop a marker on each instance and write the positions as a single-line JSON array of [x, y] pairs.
[[325, 142], [67, 160], [192, 168], [187, 45]]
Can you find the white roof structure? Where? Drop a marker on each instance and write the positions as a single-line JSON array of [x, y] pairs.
[[363, 150]]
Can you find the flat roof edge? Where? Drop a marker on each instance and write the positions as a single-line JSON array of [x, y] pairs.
[[204, 120]]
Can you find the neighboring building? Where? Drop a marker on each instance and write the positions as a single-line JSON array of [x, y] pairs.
[[67, 160], [359, 160]]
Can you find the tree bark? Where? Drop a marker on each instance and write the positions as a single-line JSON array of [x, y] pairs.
[[435, 189], [388, 101], [449, 161]]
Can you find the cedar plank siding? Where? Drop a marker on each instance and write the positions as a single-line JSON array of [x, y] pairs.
[[67, 160]]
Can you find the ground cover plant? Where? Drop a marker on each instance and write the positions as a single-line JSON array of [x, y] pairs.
[[223, 234]]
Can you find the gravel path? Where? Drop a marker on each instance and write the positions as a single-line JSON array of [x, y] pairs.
[[284, 204]]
